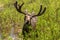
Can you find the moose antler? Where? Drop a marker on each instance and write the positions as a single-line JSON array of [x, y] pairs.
[[18, 8], [40, 11]]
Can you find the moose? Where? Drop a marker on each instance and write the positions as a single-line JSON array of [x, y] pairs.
[[30, 18]]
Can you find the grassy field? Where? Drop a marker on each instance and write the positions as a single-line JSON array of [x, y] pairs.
[[48, 24]]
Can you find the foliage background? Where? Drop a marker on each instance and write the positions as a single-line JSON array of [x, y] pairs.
[[48, 25]]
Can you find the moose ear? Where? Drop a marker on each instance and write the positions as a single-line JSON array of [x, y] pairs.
[[26, 11], [33, 13]]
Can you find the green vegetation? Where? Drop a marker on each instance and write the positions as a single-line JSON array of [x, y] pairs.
[[48, 24]]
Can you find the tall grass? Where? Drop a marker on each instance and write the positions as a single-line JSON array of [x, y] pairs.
[[48, 24]]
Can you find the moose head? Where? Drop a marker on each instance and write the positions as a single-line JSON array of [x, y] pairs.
[[30, 18]]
